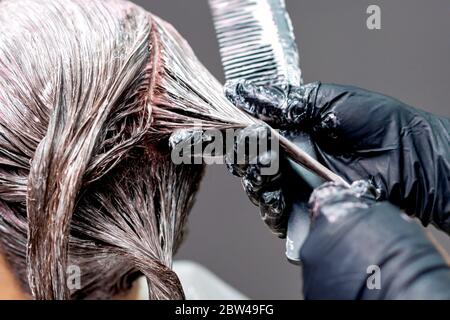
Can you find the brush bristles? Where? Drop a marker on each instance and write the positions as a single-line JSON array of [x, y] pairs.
[[185, 94]]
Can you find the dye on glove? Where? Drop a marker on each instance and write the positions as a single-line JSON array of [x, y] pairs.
[[360, 134], [352, 236]]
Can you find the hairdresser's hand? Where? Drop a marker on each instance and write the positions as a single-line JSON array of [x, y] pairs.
[[267, 185], [358, 248], [266, 177], [365, 135]]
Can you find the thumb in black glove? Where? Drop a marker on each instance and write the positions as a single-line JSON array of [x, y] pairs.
[[352, 236]]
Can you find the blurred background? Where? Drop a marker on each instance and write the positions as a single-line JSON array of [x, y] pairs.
[[408, 59]]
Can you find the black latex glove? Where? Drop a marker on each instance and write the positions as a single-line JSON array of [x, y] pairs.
[[275, 193], [363, 135], [352, 235]]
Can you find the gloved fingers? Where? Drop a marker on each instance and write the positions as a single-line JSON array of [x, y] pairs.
[[263, 187], [185, 138], [254, 181], [266, 193], [248, 159], [265, 103], [335, 201], [370, 239], [275, 105], [272, 208], [252, 145]]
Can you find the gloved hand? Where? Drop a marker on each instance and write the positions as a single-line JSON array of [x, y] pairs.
[[358, 248], [275, 193], [359, 134]]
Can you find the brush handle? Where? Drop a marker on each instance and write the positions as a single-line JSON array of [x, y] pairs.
[[305, 160]]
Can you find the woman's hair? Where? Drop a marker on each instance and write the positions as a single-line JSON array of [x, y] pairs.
[[82, 182]]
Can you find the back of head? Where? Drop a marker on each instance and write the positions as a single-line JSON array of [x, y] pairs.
[[82, 184]]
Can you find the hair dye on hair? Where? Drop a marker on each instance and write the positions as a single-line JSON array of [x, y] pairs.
[[84, 178]]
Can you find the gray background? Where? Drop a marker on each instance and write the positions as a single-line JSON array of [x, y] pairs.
[[408, 59]]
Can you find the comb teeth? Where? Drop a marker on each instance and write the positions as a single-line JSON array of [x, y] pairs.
[[256, 41]]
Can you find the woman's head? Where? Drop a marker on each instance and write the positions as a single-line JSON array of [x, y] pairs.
[[82, 182]]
